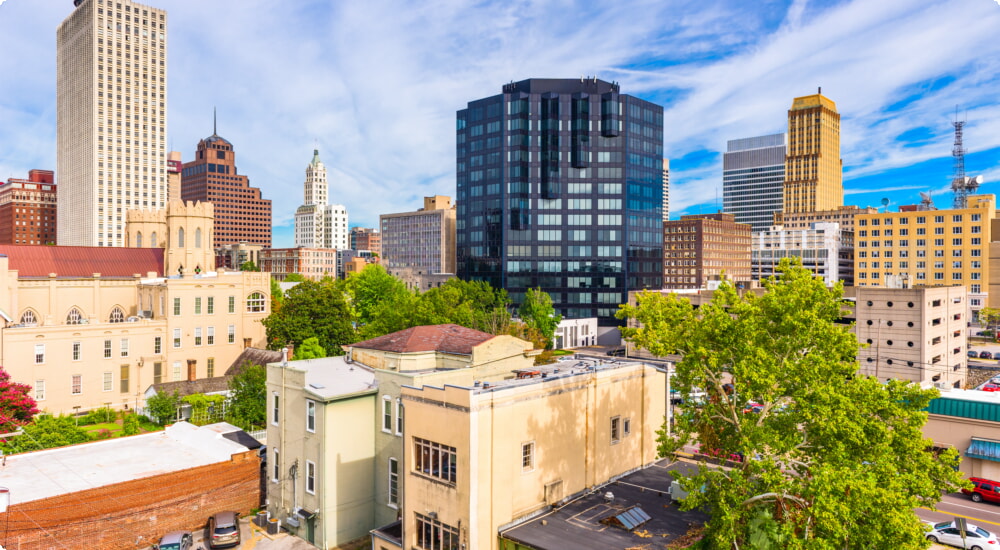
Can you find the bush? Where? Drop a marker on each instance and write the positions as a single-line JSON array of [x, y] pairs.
[[98, 416], [131, 424]]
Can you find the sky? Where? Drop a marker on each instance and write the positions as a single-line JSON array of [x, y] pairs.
[[375, 86]]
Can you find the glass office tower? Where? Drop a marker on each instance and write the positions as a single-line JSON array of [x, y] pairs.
[[560, 186]]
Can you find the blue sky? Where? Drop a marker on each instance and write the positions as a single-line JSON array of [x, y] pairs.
[[375, 85]]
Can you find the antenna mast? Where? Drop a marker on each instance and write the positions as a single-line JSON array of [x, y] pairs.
[[960, 184]]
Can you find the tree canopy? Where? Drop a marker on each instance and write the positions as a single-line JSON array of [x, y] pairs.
[[248, 397], [832, 459], [249, 266], [538, 313], [311, 309], [310, 349]]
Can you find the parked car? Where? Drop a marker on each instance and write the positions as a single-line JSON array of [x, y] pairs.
[[973, 354], [976, 538], [985, 355], [617, 352], [990, 387], [983, 489], [176, 540], [223, 530]]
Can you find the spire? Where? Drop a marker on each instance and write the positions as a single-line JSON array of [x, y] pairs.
[[315, 159], [215, 122]]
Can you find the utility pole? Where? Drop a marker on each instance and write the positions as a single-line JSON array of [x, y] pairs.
[[878, 343]]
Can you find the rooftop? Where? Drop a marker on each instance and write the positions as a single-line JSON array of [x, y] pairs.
[[578, 524], [53, 472], [81, 261], [330, 378], [564, 367], [441, 338]]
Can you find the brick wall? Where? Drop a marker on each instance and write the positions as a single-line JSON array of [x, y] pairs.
[[134, 514]]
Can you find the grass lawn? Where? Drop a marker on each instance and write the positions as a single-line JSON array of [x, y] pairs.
[[110, 426], [561, 352]]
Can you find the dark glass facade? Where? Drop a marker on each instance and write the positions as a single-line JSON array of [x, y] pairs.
[[560, 186]]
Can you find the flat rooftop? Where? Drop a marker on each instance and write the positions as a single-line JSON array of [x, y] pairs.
[[53, 472], [578, 524], [569, 365], [332, 377]]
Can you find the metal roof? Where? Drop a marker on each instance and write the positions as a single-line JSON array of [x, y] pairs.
[[82, 261]]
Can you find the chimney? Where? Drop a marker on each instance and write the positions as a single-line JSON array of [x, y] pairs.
[[192, 370], [246, 342], [289, 351]]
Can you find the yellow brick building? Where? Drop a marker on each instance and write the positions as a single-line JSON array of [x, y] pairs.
[[813, 167]]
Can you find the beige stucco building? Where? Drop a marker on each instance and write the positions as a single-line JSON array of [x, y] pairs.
[[92, 327], [969, 421]]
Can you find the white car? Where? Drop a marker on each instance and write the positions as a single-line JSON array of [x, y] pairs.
[[976, 538]]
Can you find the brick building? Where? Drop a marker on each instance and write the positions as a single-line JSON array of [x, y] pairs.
[[699, 248], [241, 215], [28, 209], [366, 238], [127, 492], [311, 263]]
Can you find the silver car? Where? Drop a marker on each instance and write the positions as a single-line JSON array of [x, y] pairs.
[[176, 540]]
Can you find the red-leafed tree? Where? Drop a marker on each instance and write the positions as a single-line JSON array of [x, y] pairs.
[[17, 407]]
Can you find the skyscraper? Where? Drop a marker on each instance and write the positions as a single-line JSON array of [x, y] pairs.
[[813, 167], [241, 215], [560, 186], [318, 224], [666, 190], [753, 179], [111, 120]]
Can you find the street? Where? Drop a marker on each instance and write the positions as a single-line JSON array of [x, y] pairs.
[[983, 514]]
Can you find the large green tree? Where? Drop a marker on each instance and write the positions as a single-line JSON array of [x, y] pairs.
[[311, 309], [833, 459], [381, 303], [472, 304], [538, 313], [248, 397]]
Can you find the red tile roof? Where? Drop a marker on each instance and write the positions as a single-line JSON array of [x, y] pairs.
[[82, 261], [442, 338]]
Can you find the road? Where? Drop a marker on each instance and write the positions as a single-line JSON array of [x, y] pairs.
[[983, 514]]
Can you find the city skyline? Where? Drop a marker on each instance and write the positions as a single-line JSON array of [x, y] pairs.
[[721, 71]]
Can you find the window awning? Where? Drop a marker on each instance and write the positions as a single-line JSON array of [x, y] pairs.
[[986, 449]]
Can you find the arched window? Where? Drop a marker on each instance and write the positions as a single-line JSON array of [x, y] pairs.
[[138, 239], [197, 238], [180, 237], [255, 303], [29, 318], [74, 317], [152, 240], [117, 315]]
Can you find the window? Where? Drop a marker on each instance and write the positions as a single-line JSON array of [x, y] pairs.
[[76, 384], [39, 354], [39, 390], [399, 417], [528, 456], [210, 365], [434, 460], [210, 336], [123, 378], [616, 434], [310, 415], [74, 317], [177, 306], [77, 350], [393, 482], [28, 318], [386, 414], [232, 334], [157, 345], [177, 337], [107, 349], [177, 371], [197, 305], [274, 409], [276, 471], [180, 237], [232, 304], [255, 303], [627, 426], [124, 347], [117, 316], [197, 336], [434, 535], [310, 477], [108, 381], [210, 306]]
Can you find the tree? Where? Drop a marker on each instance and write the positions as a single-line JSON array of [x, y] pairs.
[[277, 295], [249, 266], [831, 459], [990, 317], [311, 309], [162, 407], [471, 304], [131, 424], [248, 397], [17, 407], [310, 349], [46, 432], [380, 302], [294, 278], [538, 313]]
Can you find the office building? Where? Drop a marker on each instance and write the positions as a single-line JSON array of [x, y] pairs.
[[753, 179], [111, 118], [842, 215], [366, 238], [232, 256], [174, 168], [241, 215], [702, 247], [560, 186], [666, 189], [28, 209], [317, 223], [813, 167], [823, 248], [931, 247], [311, 263], [421, 241]]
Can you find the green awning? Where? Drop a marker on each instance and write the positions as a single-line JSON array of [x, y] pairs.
[[986, 449]]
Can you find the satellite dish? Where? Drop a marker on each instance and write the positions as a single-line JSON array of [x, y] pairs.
[[925, 196], [978, 179], [885, 201]]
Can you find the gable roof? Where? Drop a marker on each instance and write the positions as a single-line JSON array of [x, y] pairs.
[[442, 338], [254, 356], [82, 261], [185, 388]]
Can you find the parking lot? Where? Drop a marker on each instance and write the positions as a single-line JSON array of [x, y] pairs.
[[253, 538]]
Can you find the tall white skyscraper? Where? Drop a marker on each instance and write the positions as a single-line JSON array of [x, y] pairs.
[[111, 115], [753, 179], [318, 224]]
